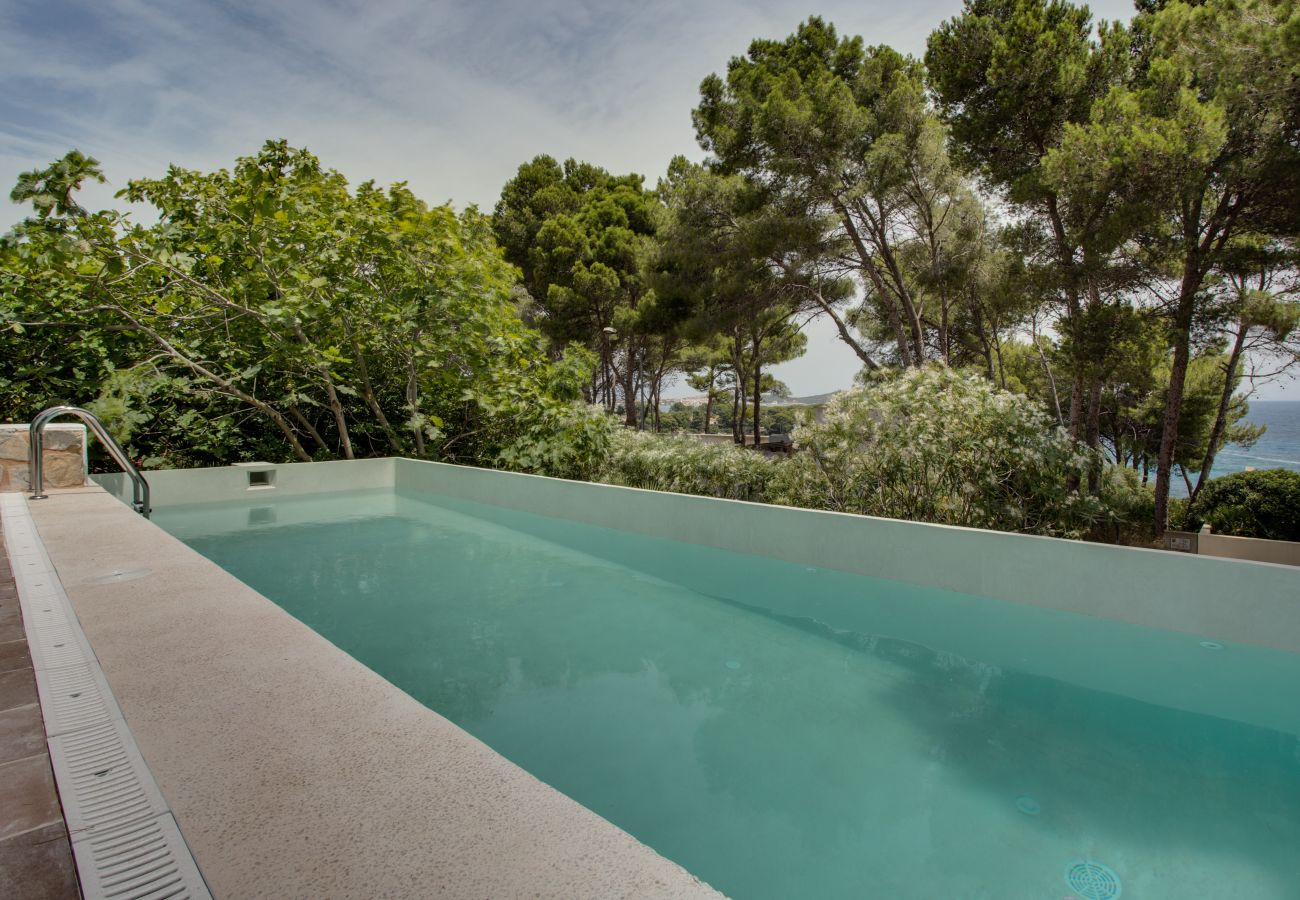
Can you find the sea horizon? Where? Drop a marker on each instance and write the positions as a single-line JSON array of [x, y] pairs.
[[1277, 448]]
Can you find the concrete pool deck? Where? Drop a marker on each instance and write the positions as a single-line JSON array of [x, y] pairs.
[[293, 770]]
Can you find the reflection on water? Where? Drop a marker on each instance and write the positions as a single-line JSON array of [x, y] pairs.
[[819, 735]]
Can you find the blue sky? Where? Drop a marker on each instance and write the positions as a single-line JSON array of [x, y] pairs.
[[450, 97]]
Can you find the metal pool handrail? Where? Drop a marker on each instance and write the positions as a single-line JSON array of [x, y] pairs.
[[35, 436]]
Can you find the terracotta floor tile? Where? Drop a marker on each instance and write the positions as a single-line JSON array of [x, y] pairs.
[[37, 865], [22, 733], [13, 655], [17, 688], [10, 613], [27, 796]]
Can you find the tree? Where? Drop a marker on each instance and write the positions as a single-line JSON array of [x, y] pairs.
[[1012, 77], [1258, 320], [844, 131], [1264, 504], [736, 262], [346, 320], [580, 237], [1203, 137], [708, 367]]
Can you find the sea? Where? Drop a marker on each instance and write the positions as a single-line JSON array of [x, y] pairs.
[[1278, 448]]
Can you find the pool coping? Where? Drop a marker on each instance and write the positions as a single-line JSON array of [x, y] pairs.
[[123, 835], [239, 709]]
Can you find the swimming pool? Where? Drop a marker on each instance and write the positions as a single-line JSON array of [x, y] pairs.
[[784, 729]]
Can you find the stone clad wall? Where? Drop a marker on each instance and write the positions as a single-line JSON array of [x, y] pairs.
[[64, 453]]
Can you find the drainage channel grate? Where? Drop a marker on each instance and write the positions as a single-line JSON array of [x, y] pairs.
[[149, 859], [124, 839], [1093, 881]]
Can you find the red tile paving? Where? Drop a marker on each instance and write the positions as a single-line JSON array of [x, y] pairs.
[[35, 855]]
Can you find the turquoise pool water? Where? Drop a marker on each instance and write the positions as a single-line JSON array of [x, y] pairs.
[[783, 731]]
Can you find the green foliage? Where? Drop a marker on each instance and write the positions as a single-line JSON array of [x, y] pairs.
[[1011, 75], [935, 445], [930, 445], [843, 134], [299, 317], [736, 263], [580, 236], [1261, 504], [688, 466]]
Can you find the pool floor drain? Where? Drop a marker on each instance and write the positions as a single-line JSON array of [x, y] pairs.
[[1093, 881], [1028, 805]]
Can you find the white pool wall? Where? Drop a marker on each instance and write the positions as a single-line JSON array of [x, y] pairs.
[[1254, 603], [1230, 600]]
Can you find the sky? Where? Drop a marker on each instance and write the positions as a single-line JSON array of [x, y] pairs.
[[448, 97]]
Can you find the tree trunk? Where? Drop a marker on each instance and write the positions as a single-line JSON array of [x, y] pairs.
[[331, 396], [1093, 434], [629, 394], [943, 334], [226, 385], [413, 401], [738, 396], [340, 417], [308, 427], [1174, 398], [1225, 402], [708, 403], [1076, 407], [758, 394], [735, 413], [866, 265], [845, 335], [1047, 370], [985, 345], [369, 393]]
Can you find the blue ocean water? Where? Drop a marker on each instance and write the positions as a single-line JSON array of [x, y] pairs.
[[786, 731], [1279, 448]]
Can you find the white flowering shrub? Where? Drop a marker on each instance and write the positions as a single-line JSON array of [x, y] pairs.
[[931, 445], [934, 445], [684, 465]]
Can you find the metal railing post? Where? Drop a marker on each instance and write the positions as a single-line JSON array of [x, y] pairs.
[[36, 463]]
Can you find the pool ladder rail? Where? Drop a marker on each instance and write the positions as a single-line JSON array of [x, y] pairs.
[[36, 437]]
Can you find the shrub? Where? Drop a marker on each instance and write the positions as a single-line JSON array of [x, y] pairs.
[[686, 465], [934, 445], [929, 445], [1262, 504], [1128, 509]]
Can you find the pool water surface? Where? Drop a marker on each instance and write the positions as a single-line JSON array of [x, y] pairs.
[[785, 731]]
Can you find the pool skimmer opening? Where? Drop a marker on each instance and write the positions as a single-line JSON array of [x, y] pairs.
[[1093, 881]]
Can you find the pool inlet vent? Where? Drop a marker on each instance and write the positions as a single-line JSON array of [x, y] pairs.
[[1028, 805], [1093, 881]]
